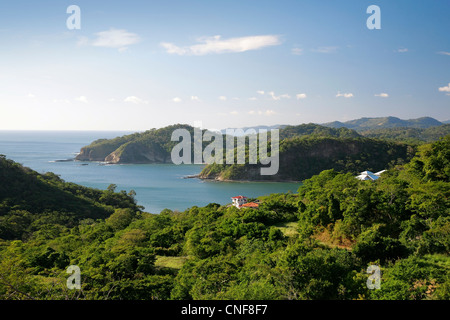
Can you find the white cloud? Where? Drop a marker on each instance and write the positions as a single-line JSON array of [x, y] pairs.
[[345, 95], [135, 100], [176, 100], [31, 96], [195, 98], [444, 53], [261, 92], [113, 38], [300, 96], [252, 99], [274, 97], [382, 95], [214, 45], [234, 113], [445, 88], [261, 112], [83, 41], [223, 98], [81, 99], [325, 49], [297, 51], [402, 50]]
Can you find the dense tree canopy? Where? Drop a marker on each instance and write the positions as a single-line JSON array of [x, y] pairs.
[[316, 243]]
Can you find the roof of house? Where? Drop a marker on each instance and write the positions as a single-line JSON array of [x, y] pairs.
[[379, 172], [250, 205], [239, 197], [368, 175]]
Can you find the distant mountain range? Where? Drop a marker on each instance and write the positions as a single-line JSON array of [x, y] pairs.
[[364, 124], [385, 122]]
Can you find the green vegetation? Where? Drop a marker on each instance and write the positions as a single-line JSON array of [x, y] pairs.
[[151, 146], [305, 150], [408, 134], [313, 244], [363, 124], [306, 155], [316, 131], [33, 203]]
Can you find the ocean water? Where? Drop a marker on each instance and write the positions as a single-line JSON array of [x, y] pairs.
[[157, 186]]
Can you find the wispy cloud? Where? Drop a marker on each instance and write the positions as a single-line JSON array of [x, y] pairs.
[[215, 45], [135, 100], [382, 95], [297, 51], [223, 98], [345, 95], [330, 49], [195, 98], [82, 99], [261, 92], [113, 38], [444, 53], [274, 97], [300, 96], [262, 112], [401, 50], [177, 100], [445, 88]]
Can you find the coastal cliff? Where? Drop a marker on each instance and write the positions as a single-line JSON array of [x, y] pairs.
[[301, 158], [151, 146]]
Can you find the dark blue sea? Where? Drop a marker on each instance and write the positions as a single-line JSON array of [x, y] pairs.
[[158, 186]]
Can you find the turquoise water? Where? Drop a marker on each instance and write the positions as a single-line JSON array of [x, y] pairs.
[[157, 186]]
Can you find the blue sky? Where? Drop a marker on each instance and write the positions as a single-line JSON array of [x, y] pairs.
[[135, 65]]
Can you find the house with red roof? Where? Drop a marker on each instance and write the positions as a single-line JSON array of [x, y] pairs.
[[241, 202]]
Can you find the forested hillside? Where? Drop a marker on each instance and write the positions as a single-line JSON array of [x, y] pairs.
[[31, 202], [316, 243], [151, 146], [409, 135], [301, 157]]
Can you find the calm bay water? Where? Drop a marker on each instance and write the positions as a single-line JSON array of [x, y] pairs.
[[158, 186]]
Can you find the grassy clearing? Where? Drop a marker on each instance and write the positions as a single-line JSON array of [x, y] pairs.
[[289, 229], [170, 262], [325, 237]]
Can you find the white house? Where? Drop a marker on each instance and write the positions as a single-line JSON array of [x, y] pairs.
[[368, 175], [238, 201], [241, 202]]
